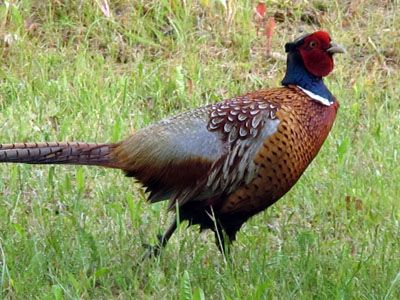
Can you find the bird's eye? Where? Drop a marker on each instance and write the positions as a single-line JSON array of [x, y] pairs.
[[312, 44]]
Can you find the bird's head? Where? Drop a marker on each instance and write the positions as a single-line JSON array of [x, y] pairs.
[[316, 51]]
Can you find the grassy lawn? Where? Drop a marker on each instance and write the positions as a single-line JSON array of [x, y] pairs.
[[69, 72]]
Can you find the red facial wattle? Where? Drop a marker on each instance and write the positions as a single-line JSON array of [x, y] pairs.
[[317, 62], [314, 54]]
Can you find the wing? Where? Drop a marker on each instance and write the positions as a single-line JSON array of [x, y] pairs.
[[200, 154], [244, 124]]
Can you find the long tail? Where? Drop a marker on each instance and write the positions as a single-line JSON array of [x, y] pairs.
[[59, 153]]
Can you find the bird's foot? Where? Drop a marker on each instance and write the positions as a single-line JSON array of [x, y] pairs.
[[153, 250]]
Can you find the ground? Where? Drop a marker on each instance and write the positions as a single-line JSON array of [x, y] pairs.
[[79, 70]]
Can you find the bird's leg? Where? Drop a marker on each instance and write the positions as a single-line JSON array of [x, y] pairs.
[[154, 250]]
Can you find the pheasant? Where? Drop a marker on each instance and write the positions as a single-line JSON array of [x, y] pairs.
[[222, 163]]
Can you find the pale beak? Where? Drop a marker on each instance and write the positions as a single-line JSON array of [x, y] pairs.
[[334, 48]]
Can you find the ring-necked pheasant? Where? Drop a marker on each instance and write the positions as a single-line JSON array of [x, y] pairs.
[[222, 163]]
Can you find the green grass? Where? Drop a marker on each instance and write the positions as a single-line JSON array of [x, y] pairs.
[[70, 73]]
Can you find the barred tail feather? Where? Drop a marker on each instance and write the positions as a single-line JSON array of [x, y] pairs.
[[59, 153]]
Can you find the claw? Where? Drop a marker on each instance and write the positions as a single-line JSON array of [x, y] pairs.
[[151, 251], [155, 250]]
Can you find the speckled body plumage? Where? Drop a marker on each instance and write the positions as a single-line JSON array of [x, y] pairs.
[[283, 156], [262, 143], [222, 163]]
